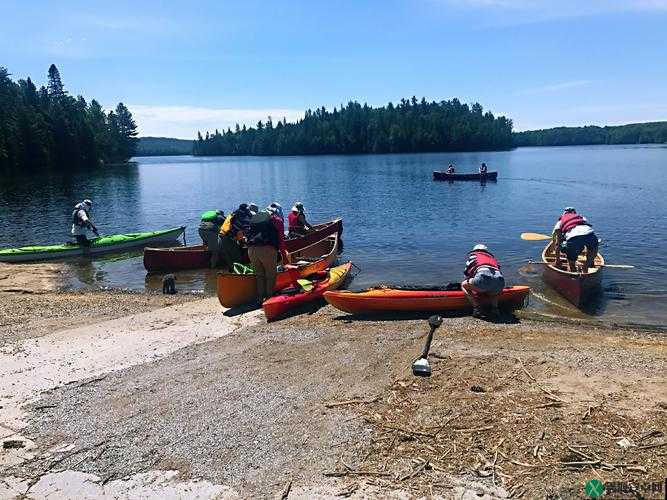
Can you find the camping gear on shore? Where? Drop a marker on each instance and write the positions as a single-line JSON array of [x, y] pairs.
[[104, 244], [311, 289], [578, 287], [421, 366], [237, 289], [444, 176], [436, 299], [198, 257]]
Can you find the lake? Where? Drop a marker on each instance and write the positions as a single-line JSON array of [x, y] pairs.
[[400, 225]]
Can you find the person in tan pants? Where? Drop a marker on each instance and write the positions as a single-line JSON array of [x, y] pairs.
[[265, 238]]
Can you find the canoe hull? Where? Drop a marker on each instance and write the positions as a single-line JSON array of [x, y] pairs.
[[578, 288], [384, 300], [198, 257], [237, 289], [444, 176], [279, 305], [126, 242]]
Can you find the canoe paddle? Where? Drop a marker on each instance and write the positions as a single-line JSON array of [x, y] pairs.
[[421, 367], [613, 266], [534, 237]]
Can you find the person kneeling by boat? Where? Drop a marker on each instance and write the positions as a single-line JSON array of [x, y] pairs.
[[266, 237], [573, 233], [483, 276], [83, 228], [451, 169], [483, 169], [232, 233], [298, 226], [209, 227]]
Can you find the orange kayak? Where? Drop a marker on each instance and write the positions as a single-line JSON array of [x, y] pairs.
[[378, 300], [290, 298], [237, 289]]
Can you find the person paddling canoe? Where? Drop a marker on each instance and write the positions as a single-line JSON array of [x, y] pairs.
[[209, 227], [451, 169], [298, 226], [83, 228], [483, 169], [483, 276], [572, 233]]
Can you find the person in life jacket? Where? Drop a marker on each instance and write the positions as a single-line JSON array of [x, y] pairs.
[[209, 226], [483, 169], [232, 234], [572, 233], [483, 276], [451, 169], [265, 238], [298, 226], [83, 228]]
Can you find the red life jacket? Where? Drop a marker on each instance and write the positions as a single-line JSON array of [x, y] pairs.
[[477, 259], [569, 221], [293, 221]]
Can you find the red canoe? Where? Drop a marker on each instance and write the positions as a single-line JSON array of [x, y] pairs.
[[288, 299], [198, 257]]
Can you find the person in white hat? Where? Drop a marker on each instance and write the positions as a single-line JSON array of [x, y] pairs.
[[83, 228], [483, 277]]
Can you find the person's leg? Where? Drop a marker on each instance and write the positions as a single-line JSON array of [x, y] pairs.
[[82, 240], [270, 264], [592, 245], [254, 254], [202, 235], [573, 248]]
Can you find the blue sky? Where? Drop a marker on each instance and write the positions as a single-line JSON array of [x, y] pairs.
[[183, 66]]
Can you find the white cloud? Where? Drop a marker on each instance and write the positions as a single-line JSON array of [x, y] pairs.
[[184, 121], [554, 87]]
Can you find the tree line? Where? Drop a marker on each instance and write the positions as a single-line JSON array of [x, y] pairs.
[[47, 128], [409, 127], [634, 133]]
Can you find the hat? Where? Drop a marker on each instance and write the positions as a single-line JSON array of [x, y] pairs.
[[243, 207], [569, 210], [88, 202], [276, 209], [480, 246], [298, 207], [253, 207]]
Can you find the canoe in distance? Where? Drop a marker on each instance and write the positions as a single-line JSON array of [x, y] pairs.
[[578, 288], [198, 256], [444, 176]]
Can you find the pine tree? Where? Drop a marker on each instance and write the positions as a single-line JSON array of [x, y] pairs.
[[55, 86]]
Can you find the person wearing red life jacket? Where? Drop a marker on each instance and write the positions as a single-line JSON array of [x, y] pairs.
[[483, 276], [572, 233], [298, 226]]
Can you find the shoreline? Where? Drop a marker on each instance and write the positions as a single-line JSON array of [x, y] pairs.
[[163, 394]]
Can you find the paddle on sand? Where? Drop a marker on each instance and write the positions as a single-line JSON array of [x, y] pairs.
[[421, 367]]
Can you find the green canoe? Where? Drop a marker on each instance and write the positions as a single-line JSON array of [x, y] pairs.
[[105, 244]]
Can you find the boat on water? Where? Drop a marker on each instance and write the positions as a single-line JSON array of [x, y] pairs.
[[578, 288], [198, 256], [384, 300], [238, 289], [104, 244], [289, 298], [444, 176]]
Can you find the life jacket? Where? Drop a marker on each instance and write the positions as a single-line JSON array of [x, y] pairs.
[[569, 221], [76, 220], [227, 225], [477, 259], [295, 222], [262, 231], [483, 170]]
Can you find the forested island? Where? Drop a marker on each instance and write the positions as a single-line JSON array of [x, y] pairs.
[[47, 128], [411, 126], [633, 133]]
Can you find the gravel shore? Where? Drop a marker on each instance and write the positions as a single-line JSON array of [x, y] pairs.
[[326, 403]]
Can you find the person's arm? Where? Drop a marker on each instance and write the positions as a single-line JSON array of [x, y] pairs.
[[305, 222], [280, 229], [87, 222]]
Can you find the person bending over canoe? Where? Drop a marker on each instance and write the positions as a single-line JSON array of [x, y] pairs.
[[83, 228], [483, 169], [232, 233], [209, 226], [265, 238], [298, 226], [451, 169], [483, 276], [572, 233]]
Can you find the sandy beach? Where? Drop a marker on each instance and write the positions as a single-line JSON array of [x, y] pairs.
[[135, 395]]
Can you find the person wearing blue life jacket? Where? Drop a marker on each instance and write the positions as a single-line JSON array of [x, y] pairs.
[[83, 228]]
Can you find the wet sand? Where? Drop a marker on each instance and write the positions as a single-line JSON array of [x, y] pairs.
[[164, 396]]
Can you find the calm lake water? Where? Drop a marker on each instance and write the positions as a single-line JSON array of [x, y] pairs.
[[400, 226]]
